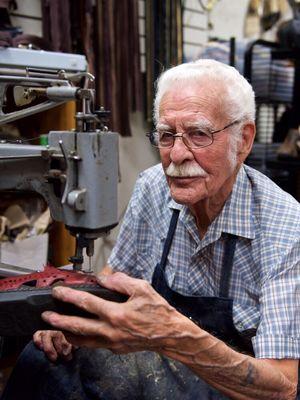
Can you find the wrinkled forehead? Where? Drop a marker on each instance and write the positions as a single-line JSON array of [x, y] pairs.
[[194, 98]]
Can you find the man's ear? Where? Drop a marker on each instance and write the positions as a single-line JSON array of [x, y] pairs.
[[246, 141]]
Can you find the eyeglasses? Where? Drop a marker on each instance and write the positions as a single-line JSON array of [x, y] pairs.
[[193, 139]]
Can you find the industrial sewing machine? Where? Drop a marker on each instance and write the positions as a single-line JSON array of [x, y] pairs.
[[77, 172]]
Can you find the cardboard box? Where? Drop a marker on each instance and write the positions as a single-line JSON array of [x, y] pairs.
[[31, 253]]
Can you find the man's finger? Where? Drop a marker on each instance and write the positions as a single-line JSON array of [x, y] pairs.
[[37, 339], [61, 345], [79, 326], [86, 301], [64, 349], [48, 346]]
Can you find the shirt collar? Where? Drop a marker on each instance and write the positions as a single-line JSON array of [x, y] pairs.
[[236, 216]]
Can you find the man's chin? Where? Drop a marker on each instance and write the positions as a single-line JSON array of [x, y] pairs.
[[185, 197], [186, 190]]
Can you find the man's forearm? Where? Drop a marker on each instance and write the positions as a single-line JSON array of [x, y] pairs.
[[147, 322], [236, 375]]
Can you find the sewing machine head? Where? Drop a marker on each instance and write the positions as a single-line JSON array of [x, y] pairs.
[[77, 173]]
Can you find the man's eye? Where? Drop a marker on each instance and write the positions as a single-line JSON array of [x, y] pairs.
[[197, 134], [165, 135]]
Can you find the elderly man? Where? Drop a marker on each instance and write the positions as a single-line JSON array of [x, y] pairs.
[[220, 244]]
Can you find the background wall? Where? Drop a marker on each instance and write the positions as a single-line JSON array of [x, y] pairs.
[[228, 18], [28, 16]]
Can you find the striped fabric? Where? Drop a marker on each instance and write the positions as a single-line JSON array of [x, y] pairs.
[[265, 282], [272, 80]]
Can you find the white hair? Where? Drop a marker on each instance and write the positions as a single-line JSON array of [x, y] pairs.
[[238, 102]]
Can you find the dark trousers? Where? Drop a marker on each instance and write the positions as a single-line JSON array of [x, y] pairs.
[[102, 375]]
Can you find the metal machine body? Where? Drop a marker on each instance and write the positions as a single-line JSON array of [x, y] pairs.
[[77, 173]]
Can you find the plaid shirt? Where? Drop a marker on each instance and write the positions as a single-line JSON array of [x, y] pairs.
[[265, 280]]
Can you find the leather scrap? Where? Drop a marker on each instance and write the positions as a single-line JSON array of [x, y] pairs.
[[47, 278]]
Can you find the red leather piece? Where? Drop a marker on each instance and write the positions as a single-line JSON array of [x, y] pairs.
[[46, 278]]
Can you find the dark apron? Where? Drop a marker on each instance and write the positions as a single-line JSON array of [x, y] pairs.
[[213, 314], [98, 374]]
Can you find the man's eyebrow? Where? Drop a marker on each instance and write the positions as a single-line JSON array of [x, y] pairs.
[[164, 127], [202, 125]]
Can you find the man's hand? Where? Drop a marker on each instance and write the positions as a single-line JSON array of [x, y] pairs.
[[144, 322], [54, 344], [147, 322]]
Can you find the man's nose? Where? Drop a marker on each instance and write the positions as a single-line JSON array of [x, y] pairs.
[[180, 152]]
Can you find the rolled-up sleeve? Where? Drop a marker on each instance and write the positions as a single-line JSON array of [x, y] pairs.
[[135, 240], [124, 256], [278, 334]]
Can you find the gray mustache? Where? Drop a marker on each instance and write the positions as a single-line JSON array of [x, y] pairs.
[[185, 170]]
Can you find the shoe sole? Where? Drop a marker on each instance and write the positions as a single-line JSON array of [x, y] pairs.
[[20, 310]]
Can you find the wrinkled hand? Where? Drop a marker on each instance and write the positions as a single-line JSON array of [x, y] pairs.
[[54, 344], [144, 322]]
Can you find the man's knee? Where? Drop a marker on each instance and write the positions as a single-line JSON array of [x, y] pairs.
[[32, 356]]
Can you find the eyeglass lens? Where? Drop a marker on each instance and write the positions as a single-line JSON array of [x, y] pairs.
[[191, 139]]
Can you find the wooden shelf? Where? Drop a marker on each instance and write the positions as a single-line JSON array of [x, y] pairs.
[[62, 244]]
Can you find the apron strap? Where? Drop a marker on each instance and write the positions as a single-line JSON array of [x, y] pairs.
[[168, 242], [230, 243]]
